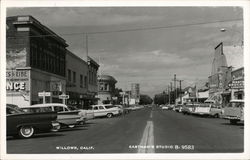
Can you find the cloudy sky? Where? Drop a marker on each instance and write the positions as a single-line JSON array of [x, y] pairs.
[[150, 57]]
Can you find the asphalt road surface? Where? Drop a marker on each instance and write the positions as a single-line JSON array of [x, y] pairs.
[[143, 131]]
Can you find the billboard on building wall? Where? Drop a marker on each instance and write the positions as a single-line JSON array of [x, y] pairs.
[[18, 86]]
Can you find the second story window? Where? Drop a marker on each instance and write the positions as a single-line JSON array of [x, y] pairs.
[[74, 77], [85, 81], [81, 81], [69, 75]]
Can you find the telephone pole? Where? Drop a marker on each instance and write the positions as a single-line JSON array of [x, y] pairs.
[[168, 94], [175, 91], [180, 90], [170, 91]]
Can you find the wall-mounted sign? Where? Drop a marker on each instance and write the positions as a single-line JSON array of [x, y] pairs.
[[17, 80], [63, 96], [236, 85]]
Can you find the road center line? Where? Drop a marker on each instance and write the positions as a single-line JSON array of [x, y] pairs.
[[151, 115], [147, 142]]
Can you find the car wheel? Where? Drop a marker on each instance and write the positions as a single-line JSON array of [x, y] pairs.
[[216, 116], [26, 131], [233, 121], [109, 115]]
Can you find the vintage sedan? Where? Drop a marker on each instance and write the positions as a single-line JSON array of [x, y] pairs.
[[107, 110], [86, 113], [25, 125], [209, 110], [65, 116], [234, 111]]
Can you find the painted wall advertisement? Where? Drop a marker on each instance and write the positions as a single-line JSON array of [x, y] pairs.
[[17, 85]]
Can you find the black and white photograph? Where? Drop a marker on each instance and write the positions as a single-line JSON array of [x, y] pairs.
[[136, 80]]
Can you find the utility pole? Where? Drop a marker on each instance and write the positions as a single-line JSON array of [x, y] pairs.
[[175, 91], [175, 95], [180, 91], [168, 94], [170, 91], [87, 48]]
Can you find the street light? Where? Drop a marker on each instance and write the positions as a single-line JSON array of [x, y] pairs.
[[242, 41], [223, 30]]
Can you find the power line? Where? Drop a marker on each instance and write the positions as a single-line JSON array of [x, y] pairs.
[[135, 29]]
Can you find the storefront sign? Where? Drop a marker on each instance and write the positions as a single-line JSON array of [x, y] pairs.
[[63, 96], [237, 85]]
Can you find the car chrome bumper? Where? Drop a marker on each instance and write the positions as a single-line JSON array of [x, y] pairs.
[[231, 117], [55, 126]]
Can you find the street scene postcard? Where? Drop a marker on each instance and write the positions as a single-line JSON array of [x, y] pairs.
[[83, 80]]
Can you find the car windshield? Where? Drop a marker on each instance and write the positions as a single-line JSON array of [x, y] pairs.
[[13, 110], [73, 108], [204, 105], [109, 107], [236, 104]]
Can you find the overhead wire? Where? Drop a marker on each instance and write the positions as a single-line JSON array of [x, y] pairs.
[[132, 29]]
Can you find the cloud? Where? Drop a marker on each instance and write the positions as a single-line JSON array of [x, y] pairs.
[[150, 57]]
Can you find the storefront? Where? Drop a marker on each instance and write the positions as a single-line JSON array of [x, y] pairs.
[[237, 84]]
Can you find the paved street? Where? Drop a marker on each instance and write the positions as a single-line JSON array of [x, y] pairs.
[[142, 131]]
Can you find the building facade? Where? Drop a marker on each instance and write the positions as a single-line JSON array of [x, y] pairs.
[[92, 93], [76, 80], [35, 62], [106, 89], [135, 93], [227, 59]]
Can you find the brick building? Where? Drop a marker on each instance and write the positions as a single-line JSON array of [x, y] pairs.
[[35, 61]]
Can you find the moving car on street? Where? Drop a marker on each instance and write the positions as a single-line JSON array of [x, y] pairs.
[[234, 111], [107, 110], [65, 116], [25, 125]]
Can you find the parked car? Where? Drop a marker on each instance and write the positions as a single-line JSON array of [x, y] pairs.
[[87, 113], [120, 108], [25, 125], [107, 110], [165, 107], [189, 108], [208, 109], [177, 108], [65, 116], [234, 111]]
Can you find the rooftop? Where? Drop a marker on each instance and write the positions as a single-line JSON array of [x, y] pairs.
[[107, 78]]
